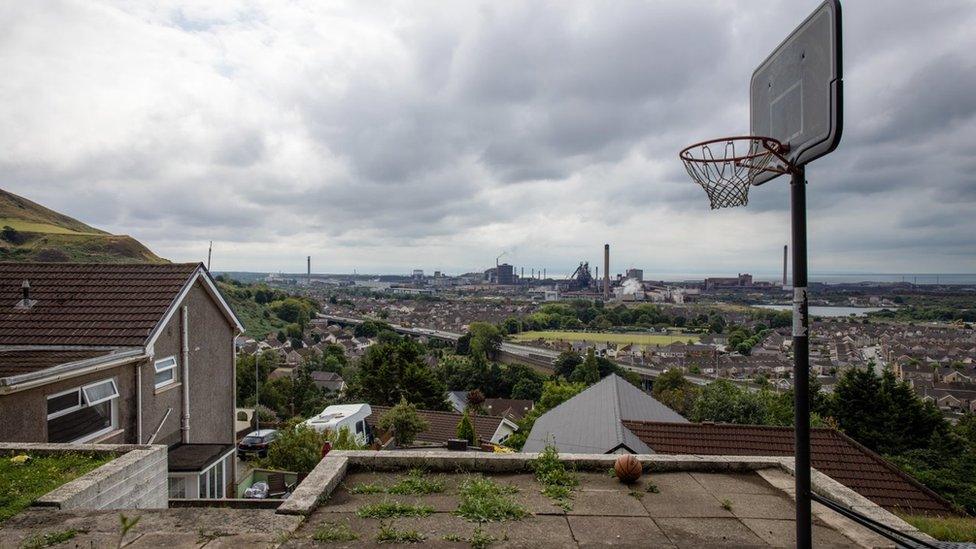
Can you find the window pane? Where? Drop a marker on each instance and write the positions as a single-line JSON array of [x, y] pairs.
[[203, 486], [165, 364], [100, 392], [177, 487], [219, 492], [63, 402], [75, 425], [164, 377], [213, 483]]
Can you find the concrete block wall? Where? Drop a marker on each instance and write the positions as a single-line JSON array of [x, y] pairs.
[[136, 479]]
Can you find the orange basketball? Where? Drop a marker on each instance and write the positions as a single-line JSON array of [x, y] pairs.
[[627, 468]]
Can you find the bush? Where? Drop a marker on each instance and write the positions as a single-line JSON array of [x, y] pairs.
[[298, 447], [465, 429], [404, 422]]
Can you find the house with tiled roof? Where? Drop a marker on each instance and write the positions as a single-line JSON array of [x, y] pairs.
[[125, 354], [832, 453], [442, 426]]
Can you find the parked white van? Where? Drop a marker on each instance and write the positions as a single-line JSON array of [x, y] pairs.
[[338, 416]]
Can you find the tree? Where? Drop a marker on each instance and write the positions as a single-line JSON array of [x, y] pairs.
[[512, 325], [394, 369], [486, 339], [465, 429], [371, 328], [566, 362], [298, 447], [587, 372], [476, 400], [883, 413], [404, 422], [674, 391]]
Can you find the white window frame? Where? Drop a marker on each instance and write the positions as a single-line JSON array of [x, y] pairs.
[[170, 364], [83, 400], [210, 472]]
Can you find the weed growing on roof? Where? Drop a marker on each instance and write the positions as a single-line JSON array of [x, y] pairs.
[[727, 504], [389, 534], [478, 540], [484, 500], [26, 477], [612, 473], [417, 484], [557, 481], [388, 509], [651, 488], [37, 541], [367, 488], [332, 532], [636, 494], [958, 529], [205, 535]]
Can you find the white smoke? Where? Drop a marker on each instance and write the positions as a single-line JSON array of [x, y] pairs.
[[632, 286]]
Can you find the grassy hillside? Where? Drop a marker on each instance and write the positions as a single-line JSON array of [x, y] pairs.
[[31, 232], [258, 319]]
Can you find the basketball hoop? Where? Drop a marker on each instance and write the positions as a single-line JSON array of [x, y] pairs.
[[726, 167]]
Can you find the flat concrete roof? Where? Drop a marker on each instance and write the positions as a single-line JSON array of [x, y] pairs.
[[688, 509]]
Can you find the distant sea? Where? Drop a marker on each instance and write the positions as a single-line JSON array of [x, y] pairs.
[[834, 278]]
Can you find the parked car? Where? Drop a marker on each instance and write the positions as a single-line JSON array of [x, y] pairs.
[[257, 442]]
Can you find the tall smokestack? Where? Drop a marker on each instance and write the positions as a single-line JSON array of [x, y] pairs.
[[606, 272], [544, 273], [308, 270], [785, 253]]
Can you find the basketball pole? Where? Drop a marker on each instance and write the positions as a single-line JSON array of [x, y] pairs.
[[801, 356]]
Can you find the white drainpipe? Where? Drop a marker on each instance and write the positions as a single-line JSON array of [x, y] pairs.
[[185, 340], [138, 403]]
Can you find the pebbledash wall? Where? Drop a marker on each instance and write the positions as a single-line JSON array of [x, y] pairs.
[[135, 479], [211, 387]]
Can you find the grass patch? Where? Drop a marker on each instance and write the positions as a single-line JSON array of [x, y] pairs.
[[652, 488], [478, 540], [557, 481], [636, 494], [959, 529], [389, 534], [26, 477], [367, 488], [37, 541], [334, 532], [727, 504], [391, 509], [484, 500], [604, 337], [415, 483]]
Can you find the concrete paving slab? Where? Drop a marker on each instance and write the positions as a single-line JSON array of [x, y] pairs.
[[782, 533], [606, 503], [725, 484], [674, 502], [170, 540], [674, 482], [762, 506], [620, 531], [709, 532]]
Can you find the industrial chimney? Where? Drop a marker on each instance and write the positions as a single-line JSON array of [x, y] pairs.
[[606, 272], [308, 271]]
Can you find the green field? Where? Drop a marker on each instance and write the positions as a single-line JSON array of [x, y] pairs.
[[35, 227], [604, 337]]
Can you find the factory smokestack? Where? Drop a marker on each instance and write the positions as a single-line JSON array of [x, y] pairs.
[[606, 272], [308, 271], [785, 254]]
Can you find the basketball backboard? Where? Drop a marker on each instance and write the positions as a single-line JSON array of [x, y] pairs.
[[795, 95]]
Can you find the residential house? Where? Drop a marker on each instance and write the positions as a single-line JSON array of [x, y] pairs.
[[124, 354], [592, 421], [442, 426], [832, 453], [328, 381]]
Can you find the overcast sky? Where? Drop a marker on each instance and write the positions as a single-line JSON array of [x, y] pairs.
[[384, 137]]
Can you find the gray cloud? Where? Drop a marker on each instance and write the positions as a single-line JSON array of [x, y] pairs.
[[387, 136]]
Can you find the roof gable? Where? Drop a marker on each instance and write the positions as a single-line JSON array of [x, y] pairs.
[[592, 421], [82, 304]]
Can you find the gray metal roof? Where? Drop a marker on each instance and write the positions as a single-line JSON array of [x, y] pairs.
[[591, 422]]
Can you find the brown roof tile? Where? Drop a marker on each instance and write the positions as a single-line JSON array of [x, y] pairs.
[[443, 425], [87, 304], [13, 363], [832, 453]]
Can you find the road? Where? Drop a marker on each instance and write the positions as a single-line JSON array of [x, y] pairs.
[[531, 354]]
